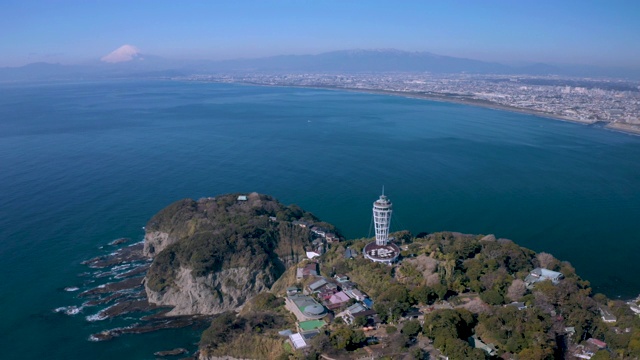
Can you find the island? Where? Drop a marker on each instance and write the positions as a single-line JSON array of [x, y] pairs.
[[275, 282]]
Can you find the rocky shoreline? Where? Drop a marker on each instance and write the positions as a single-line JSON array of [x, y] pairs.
[[123, 294]]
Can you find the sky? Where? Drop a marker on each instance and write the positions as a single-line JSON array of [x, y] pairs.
[[605, 33]]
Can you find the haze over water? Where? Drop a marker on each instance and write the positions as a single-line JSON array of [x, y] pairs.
[[85, 163]]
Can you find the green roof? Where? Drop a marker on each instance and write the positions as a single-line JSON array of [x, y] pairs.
[[311, 324]]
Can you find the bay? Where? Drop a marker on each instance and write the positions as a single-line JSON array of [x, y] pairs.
[[84, 163]]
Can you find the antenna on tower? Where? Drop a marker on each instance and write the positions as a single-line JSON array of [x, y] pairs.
[[382, 189]]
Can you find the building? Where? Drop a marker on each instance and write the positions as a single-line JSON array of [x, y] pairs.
[[331, 237], [310, 269], [350, 254], [302, 223], [518, 305], [490, 349], [606, 315], [337, 300], [541, 274], [355, 294], [292, 290], [382, 250], [341, 278], [354, 311], [317, 285], [297, 341], [305, 307], [598, 343]]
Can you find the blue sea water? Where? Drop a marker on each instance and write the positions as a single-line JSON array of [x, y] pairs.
[[82, 164]]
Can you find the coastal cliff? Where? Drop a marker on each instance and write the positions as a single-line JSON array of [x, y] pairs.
[[214, 254]]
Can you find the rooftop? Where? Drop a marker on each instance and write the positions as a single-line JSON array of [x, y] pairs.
[[311, 324], [297, 341], [305, 307], [385, 253]]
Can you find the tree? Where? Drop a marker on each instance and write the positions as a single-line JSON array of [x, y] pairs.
[[601, 355], [547, 261], [449, 324], [346, 338], [417, 353], [411, 328], [360, 321], [516, 290], [535, 354], [492, 297], [423, 295]]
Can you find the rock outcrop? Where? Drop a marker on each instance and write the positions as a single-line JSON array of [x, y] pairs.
[[156, 241], [214, 254], [214, 293]]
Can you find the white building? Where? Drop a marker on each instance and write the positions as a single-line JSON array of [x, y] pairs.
[[541, 274]]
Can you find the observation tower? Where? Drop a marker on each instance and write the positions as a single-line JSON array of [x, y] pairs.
[[382, 210], [382, 250]]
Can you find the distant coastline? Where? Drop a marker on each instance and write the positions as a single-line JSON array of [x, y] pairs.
[[619, 127]]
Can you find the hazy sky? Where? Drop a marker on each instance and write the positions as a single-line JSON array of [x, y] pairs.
[[603, 32]]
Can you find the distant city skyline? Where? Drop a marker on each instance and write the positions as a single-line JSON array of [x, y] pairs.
[[603, 33]]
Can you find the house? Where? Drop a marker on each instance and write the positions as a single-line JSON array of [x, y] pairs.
[[331, 237], [413, 313], [317, 285], [490, 349], [242, 197], [350, 254], [312, 254], [341, 278], [570, 330], [368, 303], [310, 269], [618, 330], [347, 285], [327, 292], [302, 223], [338, 298], [292, 290], [599, 343], [357, 310], [606, 315], [355, 294], [583, 353], [541, 274], [518, 305], [319, 231]]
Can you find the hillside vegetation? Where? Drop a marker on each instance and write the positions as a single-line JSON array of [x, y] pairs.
[[223, 232]]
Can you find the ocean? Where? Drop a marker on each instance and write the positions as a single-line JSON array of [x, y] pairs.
[[84, 163]]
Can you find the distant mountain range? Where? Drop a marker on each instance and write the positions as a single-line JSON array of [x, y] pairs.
[[127, 61]]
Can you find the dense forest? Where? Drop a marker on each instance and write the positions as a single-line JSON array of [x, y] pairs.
[[222, 232]]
